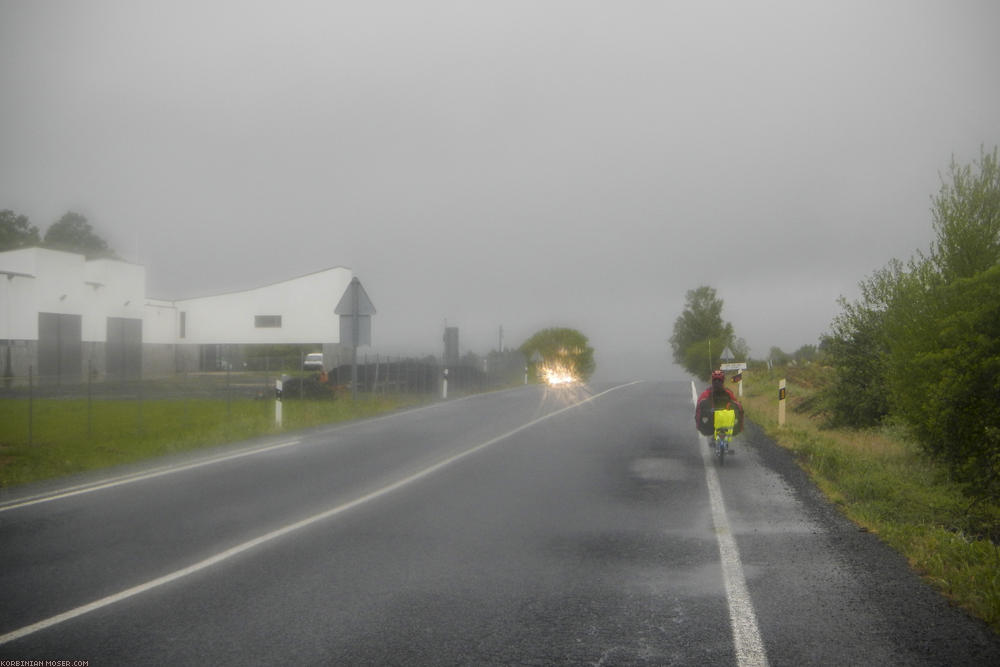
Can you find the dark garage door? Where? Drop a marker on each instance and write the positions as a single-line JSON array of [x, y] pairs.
[[124, 348], [60, 348]]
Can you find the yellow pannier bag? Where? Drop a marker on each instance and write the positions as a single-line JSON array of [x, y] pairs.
[[725, 419]]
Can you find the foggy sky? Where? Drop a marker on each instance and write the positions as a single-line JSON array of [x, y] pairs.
[[523, 164]]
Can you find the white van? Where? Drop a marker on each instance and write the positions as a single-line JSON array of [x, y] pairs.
[[313, 362]]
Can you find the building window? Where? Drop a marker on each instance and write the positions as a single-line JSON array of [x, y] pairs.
[[267, 321]]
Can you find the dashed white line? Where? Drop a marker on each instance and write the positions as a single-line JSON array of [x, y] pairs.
[[280, 532]]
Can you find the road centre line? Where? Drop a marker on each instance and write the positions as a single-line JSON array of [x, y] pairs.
[[141, 476], [281, 532], [747, 642], [113, 482]]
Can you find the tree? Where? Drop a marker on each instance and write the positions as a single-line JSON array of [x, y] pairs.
[[700, 335], [944, 331], [16, 231], [806, 354], [944, 374], [923, 341], [562, 347], [779, 357], [967, 220], [72, 233], [741, 351], [858, 348]]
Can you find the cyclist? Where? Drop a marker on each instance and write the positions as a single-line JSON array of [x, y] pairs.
[[716, 396]]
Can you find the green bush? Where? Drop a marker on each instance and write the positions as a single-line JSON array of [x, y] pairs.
[[945, 375], [858, 349]]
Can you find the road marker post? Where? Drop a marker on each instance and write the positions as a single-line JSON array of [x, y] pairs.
[[278, 384], [781, 402]]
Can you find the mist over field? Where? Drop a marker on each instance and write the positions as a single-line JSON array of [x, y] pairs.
[[515, 164]]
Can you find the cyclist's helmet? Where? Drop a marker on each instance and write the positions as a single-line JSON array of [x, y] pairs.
[[718, 376]]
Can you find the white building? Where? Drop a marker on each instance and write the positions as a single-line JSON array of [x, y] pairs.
[[62, 315]]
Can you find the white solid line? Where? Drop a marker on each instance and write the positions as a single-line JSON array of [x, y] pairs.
[[275, 534], [742, 618], [112, 482], [139, 477]]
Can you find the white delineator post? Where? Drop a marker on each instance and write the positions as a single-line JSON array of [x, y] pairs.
[[781, 403], [277, 402]]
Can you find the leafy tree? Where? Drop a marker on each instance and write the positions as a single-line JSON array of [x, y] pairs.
[[923, 341], [700, 358], [944, 332], [967, 220], [945, 374], [806, 353], [700, 335], [858, 348], [566, 347], [779, 357], [16, 231], [740, 349], [72, 233]]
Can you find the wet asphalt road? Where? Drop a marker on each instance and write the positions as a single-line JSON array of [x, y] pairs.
[[501, 529]]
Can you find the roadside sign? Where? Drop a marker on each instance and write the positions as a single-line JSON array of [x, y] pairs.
[[363, 334], [355, 310], [355, 301], [741, 366]]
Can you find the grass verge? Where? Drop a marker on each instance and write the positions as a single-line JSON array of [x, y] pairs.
[[71, 435], [882, 482]]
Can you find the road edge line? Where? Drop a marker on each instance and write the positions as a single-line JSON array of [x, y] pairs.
[[747, 641]]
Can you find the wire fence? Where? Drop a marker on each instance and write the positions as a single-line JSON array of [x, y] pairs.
[[31, 401]]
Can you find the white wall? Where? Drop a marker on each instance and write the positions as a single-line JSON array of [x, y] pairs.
[[114, 289], [18, 317], [159, 322], [57, 287], [66, 283], [61, 282], [305, 305]]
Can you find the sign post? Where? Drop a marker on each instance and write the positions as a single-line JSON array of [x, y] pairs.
[[740, 368], [355, 310]]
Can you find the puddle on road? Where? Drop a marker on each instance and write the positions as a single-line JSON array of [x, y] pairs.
[[661, 469]]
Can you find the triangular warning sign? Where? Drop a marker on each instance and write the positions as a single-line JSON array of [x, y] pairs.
[[355, 301]]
